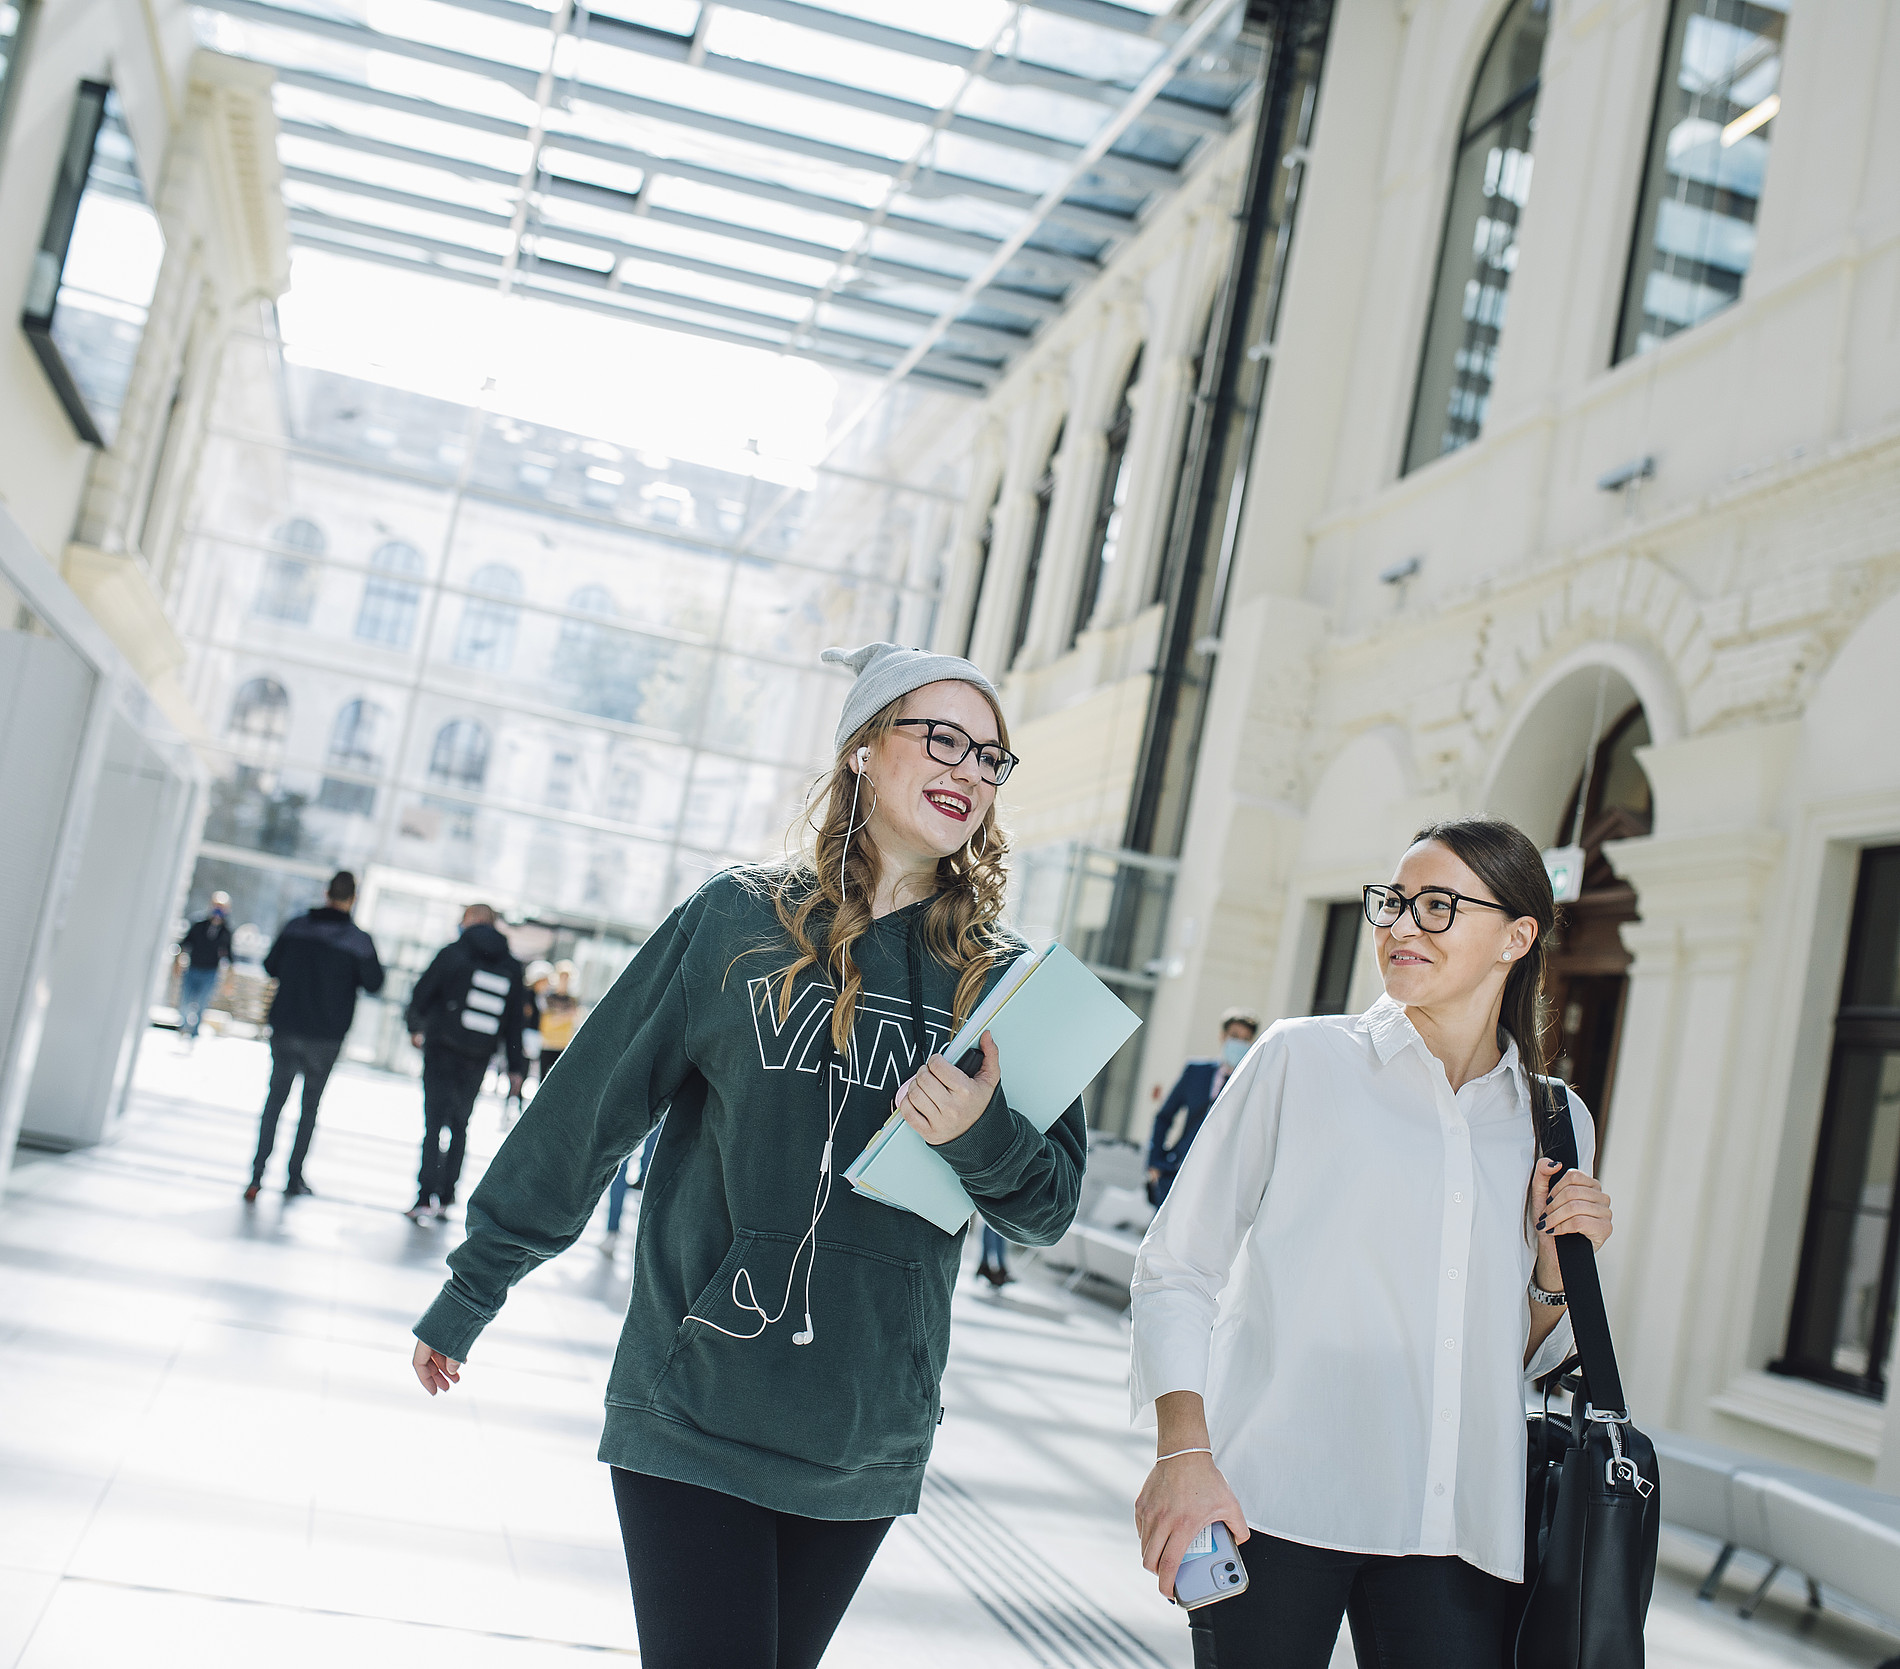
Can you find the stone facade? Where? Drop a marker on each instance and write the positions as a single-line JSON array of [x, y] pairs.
[[1741, 591]]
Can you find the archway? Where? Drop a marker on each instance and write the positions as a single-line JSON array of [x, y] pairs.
[[1536, 783], [1588, 978]]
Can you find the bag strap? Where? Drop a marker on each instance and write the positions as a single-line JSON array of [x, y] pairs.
[[1577, 1258]]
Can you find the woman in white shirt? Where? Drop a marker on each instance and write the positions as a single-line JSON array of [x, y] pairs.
[[1337, 1310]]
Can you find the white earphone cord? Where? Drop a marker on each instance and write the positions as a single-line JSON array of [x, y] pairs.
[[834, 1110]]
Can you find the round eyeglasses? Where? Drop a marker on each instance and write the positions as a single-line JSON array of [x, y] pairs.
[[1433, 908], [951, 744]]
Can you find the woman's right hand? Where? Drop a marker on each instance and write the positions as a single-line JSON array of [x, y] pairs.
[[1180, 1499], [436, 1371]]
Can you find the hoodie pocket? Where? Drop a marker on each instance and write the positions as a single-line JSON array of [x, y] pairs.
[[860, 1394]]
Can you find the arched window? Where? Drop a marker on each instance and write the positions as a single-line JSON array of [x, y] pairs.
[[985, 542], [1708, 153], [579, 636], [486, 636], [1158, 581], [459, 758], [1490, 183], [391, 600], [260, 718], [357, 742], [1045, 493], [1110, 499], [288, 589]]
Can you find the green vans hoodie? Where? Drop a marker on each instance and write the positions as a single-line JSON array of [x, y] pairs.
[[838, 1428]]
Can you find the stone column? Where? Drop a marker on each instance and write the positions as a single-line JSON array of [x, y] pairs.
[[1686, 1119]]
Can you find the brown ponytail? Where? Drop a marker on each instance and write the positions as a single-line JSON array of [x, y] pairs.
[[1501, 855]]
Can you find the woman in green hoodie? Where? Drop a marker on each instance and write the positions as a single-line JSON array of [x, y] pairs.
[[775, 1393]]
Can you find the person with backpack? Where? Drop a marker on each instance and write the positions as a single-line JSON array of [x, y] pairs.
[[470, 1001]]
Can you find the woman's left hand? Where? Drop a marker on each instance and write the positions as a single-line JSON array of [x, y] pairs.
[[940, 1103], [1577, 1205]]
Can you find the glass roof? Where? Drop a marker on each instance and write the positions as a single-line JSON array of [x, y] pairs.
[[822, 177]]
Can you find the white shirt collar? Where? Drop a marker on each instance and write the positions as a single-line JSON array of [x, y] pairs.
[[1390, 1030]]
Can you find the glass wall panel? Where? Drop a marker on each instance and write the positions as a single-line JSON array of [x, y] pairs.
[[1491, 182], [1708, 153], [574, 690]]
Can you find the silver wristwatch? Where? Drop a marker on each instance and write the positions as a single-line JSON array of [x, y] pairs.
[[1540, 1296]]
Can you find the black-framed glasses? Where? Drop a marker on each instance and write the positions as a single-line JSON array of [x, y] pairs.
[[1433, 908], [951, 744]]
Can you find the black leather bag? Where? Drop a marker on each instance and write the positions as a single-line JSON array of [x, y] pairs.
[[1592, 1510]]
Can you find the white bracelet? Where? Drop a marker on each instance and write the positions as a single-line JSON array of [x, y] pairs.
[[1178, 1453]]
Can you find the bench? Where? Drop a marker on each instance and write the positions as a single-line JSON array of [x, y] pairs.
[[1843, 1535], [1113, 1214]]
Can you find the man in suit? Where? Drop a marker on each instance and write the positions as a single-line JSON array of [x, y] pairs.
[[1185, 1110]]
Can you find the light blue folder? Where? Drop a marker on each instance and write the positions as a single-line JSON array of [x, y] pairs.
[[1056, 1029]]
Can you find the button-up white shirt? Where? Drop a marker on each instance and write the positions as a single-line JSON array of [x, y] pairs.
[[1340, 1271]]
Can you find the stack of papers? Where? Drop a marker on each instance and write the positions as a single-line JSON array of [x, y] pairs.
[[1055, 1026]]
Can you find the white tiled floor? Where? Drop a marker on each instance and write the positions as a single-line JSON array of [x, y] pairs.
[[212, 1451]]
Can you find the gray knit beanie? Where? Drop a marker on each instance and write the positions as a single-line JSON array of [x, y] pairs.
[[886, 671]]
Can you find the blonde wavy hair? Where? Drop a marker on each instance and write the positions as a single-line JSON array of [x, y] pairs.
[[824, 920]]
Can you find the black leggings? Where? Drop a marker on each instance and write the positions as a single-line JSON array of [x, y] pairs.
[[718, 1581], [1416, 1613]]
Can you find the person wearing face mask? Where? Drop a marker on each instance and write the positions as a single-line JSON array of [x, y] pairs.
[[777, 1387], [1370, 1215], [1194, 1092]]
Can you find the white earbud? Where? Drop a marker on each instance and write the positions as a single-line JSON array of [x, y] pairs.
[[863, 759], [808, 1335]]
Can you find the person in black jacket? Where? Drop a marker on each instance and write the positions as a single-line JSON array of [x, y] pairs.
[[320, 961], [469, 1001], [204, 950]]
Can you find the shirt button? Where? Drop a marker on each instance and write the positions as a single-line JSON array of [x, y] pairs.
[[1444, 1414], [1457, 1199], [1451, 1344], [1438, 1489], [1451, 1274]]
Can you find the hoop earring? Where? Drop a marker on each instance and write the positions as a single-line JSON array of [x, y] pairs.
[[976, 851]]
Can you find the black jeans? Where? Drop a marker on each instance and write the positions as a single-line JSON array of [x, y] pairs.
[[313, 1057], [1416, 1613], [451, 1079], [720, 1582]]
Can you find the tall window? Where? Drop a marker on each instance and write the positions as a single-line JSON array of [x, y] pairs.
[[1841, 1331], [459, 758], [260, 718], [1045, 493], [1158, 581], [288, 590], [985, 543], [1108, 507], [356, 746], [1490, 183], [391, 598], [485, 637], [1708, 150], [1332, 984]]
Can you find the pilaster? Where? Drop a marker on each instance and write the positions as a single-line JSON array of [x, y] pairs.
[[1678, 1086]]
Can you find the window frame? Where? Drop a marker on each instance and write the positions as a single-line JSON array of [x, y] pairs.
[[1858, 1029], [1642, 236], [1110, 503], [1471, 124], [1044, 496]]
